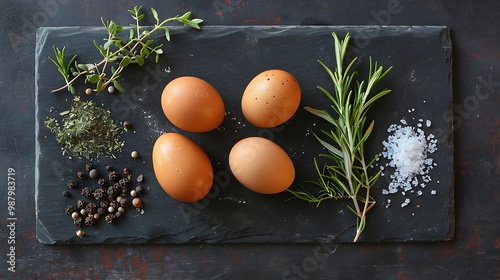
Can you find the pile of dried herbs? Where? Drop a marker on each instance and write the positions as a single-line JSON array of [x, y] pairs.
[[88, 130]]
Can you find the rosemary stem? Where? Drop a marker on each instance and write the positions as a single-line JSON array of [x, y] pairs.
[[356, 237], [367, 205]]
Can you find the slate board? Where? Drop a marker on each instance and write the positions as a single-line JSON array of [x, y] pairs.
[[229, 57]]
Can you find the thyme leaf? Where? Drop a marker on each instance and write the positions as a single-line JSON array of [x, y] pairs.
[[345, 175]]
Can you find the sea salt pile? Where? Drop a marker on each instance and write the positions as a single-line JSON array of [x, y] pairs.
[[407, 150]]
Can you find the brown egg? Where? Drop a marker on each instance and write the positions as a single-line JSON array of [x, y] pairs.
[[261, 165], [192, 104], [271, 98], [181, 167]]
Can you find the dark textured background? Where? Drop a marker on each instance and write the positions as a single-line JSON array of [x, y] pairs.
[[473, 254]]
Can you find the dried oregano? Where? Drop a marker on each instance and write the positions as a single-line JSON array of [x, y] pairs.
[[88, 130]]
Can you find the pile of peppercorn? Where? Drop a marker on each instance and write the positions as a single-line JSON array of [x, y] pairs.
[[107, 200]]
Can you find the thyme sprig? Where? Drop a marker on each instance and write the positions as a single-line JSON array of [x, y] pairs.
[[118, 52], [345, 175], [63, 67]]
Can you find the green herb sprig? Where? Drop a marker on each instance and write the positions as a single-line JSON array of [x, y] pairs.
[[118, 52], [345, 175]]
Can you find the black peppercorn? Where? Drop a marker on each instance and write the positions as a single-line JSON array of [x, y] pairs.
[[104, 204], [99, 194], [70, 209], [140, 178], [66, 194], [114, 204], [89, 220], [78, 222], [80, 174], [94, 174], [124, 183], [109, 168], [71, 184], [86, 192], [88, 167], [112, 176], [139, 190], [101, 182], [80, 204], [117, 214], [110, 218], [91, 208], [111, 192]]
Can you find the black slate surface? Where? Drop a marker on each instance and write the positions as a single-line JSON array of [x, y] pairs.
[[228, 58]]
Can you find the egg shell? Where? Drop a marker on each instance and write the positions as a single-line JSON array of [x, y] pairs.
[[181, 167], [271, 98], [261, 165], [192, 104]]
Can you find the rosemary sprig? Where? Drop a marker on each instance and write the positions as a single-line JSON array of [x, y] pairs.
[[118, 52], [346, 173]]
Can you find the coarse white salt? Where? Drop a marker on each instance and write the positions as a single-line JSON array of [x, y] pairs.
[[433, 192], [407, 149], [405, 203], [428, 123]]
